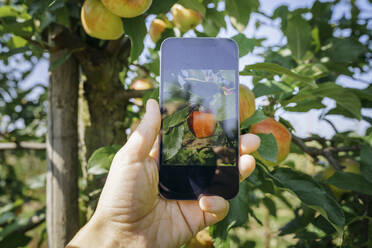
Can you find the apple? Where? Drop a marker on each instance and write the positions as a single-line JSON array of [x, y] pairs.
[[157, 27], [141, 84], [100, 23], [246, 103], [201, 124], [350, 166], [127, 8], [185, 19], [281, 134]]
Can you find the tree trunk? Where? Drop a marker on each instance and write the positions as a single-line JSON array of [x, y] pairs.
[[62, 150], [107, 108]]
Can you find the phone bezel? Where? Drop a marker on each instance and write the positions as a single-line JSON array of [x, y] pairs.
[[227, 181]]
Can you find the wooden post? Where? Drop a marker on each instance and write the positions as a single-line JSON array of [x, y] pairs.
[[62, 150]]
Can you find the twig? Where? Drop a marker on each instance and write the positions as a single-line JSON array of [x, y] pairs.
[[331, 124], [328, 153], [23, 145]]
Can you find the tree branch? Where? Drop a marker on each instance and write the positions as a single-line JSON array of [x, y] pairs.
[[328, 153], [23, 145]]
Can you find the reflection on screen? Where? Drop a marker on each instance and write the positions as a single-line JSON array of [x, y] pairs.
[[199, 122]]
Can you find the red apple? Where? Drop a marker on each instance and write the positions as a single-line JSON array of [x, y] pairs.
[[127, 8], [246, 102], [157, 27], [201, 124], [185, 19], [281, 134], [100, 23]]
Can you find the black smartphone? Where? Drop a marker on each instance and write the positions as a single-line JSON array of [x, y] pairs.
[[199, 102]]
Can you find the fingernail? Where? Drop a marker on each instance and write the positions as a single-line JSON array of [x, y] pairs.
[[212, 204]]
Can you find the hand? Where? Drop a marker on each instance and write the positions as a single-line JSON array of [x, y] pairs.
[[130, 212]]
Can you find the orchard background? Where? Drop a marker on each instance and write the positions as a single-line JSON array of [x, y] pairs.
[[307, 62]]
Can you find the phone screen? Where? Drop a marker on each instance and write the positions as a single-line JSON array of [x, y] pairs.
[[200, 122]]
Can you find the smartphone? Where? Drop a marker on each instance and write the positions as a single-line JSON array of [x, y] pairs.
[[199, 102]]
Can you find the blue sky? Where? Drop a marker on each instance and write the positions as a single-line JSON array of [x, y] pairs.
[[304, 123]]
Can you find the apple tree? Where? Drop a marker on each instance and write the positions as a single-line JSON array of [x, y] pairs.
[[104, 64]]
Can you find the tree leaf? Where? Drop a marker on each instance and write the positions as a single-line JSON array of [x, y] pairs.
[[298, 34], [351, 50], [213, 22], [238, 215], [306, 106], [193, 4], [245, 45], [161, 6], [343, 97], [255, 118], [271, 88], [366, 162], [270, 205], [277, 69], [268, 148], [100, 161], [176, 118], [239, 12], [351, 181], [311, 194], [172, 142], [136, 30], [14, 11]]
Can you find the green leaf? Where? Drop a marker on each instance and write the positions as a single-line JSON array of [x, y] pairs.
[[161, 6], [271, 88], [366, 162], [268, 148], [238, 215], [270, 205], [306, 106], [62, 16], [240, 11], [343, 97], [311, 193], [213, 22], [245, 45], [136, 30], [23, 29], [276, 69], [351, 181], [16, 42], [14, 11], [298, 34], [172, 142], [100, 161], [15, 240], [351, 50], [176, 118], [61, 60], [194, 4], [255, 118]]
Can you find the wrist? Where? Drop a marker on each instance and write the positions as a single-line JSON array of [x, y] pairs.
[[96, 233]]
